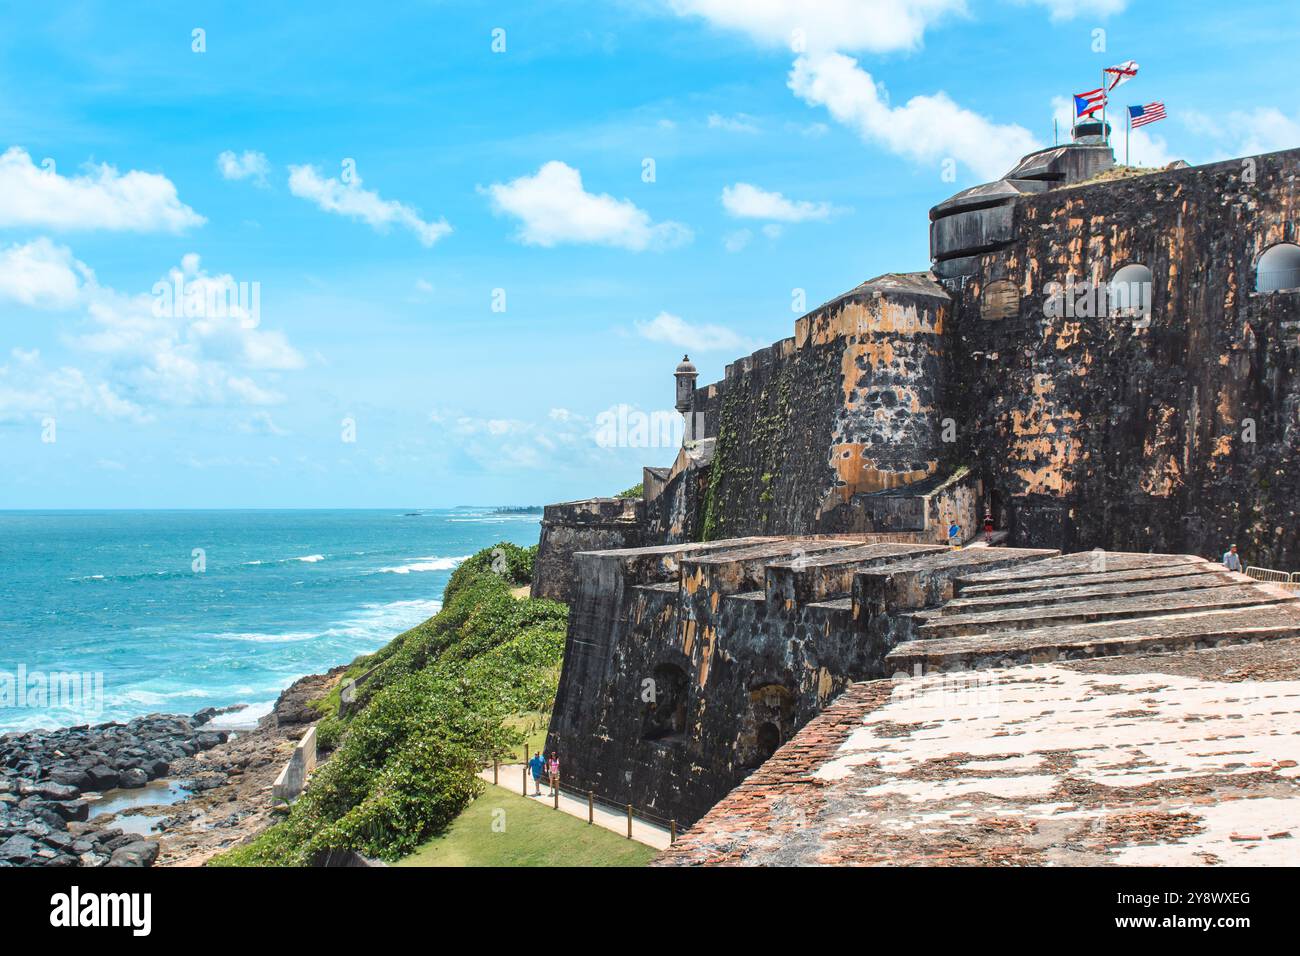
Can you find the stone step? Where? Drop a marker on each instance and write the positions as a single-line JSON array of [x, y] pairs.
[[1197, 580], [1079, 612], [815, 577], [927, 580], [965, 589], [1084, 562], [744, 568], [1143, 635]]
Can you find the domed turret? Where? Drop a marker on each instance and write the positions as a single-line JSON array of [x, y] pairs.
[[686, 376]]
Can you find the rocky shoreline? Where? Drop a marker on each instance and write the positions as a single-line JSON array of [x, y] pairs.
[[50, 781]]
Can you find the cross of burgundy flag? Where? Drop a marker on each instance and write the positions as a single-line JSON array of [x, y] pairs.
[[1116, 75]]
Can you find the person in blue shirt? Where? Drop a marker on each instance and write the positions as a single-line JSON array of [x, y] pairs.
[[535, 766], [954, 534], [1231, 560]]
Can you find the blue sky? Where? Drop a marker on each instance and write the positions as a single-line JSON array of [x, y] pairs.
[[782, 161]]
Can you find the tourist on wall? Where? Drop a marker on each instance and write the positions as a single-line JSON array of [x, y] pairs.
[[1231, 560]]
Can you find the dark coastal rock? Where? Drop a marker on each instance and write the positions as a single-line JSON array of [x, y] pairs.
[[103, 777], [137, 854], [49, 790], [133, 778], [46, 774], [19, 849], [73, 810]]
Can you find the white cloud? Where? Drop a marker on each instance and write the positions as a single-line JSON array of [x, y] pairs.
[[735, 241], [875, 26], [1144, 148], [349, 199], [674, 330], [250, 165], [29, 388], [1069, 9], [141, 353], [1246, 132], [740, 123], [102, 198], [926, 128], [746, 201], [553, 207], [41, 275]]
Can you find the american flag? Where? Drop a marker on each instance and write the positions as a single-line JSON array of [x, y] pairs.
[[1141, 115]]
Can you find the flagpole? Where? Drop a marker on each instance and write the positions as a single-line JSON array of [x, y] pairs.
[[1105, 134], [1127, 133]]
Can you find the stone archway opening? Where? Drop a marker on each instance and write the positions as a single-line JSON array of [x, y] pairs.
[[665, 717]]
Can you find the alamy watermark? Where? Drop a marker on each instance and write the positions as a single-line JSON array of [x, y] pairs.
[[623, 426], [81, 693], [208, 298]]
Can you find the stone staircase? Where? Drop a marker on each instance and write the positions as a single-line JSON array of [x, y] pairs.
[[1094, 604]]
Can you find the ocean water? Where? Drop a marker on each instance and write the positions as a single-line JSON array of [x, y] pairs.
[[103, 615]]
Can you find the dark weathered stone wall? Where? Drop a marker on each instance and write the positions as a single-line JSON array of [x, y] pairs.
[[595, 525], [1094, 431], [686, 666]]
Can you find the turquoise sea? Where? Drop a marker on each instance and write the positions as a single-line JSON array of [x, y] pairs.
[[174, 611]]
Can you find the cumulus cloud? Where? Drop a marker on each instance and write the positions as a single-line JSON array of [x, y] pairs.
[[553, 208], [1245, 132], [102, 198], [142, 350], [42, 275], [349, 199], [875, 26], [737, 240], [249, 165], [746, 201], [28, 388], [674, 330], [926, 128]]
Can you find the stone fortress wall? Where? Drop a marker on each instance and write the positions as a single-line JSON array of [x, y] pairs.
[[794, 543]]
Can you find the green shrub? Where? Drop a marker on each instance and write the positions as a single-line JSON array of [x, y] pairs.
[[436, 709]]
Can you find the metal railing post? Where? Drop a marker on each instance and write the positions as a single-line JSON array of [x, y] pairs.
[[525, 776], [555, 789], [672, 831], [591, 807], [629, 821], [496, 772]]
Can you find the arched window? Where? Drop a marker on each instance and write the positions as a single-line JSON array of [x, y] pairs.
[[1278, 269], [1128, 294], [1000, 300], [666, 715]]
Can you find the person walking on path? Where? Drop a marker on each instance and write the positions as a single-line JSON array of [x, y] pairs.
[[535, 766], [553, 772], [988, 527], [1232, 560]]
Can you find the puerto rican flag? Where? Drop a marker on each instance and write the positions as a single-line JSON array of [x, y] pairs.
[[1086, 104], [1115, 75], [1141, 115]]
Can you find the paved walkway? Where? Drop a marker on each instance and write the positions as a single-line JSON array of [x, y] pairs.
[[511, 777]]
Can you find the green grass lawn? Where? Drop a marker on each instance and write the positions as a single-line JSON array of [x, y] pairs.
[[534, 834]]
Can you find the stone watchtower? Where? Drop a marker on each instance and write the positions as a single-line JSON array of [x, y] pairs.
[[686, 375]]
